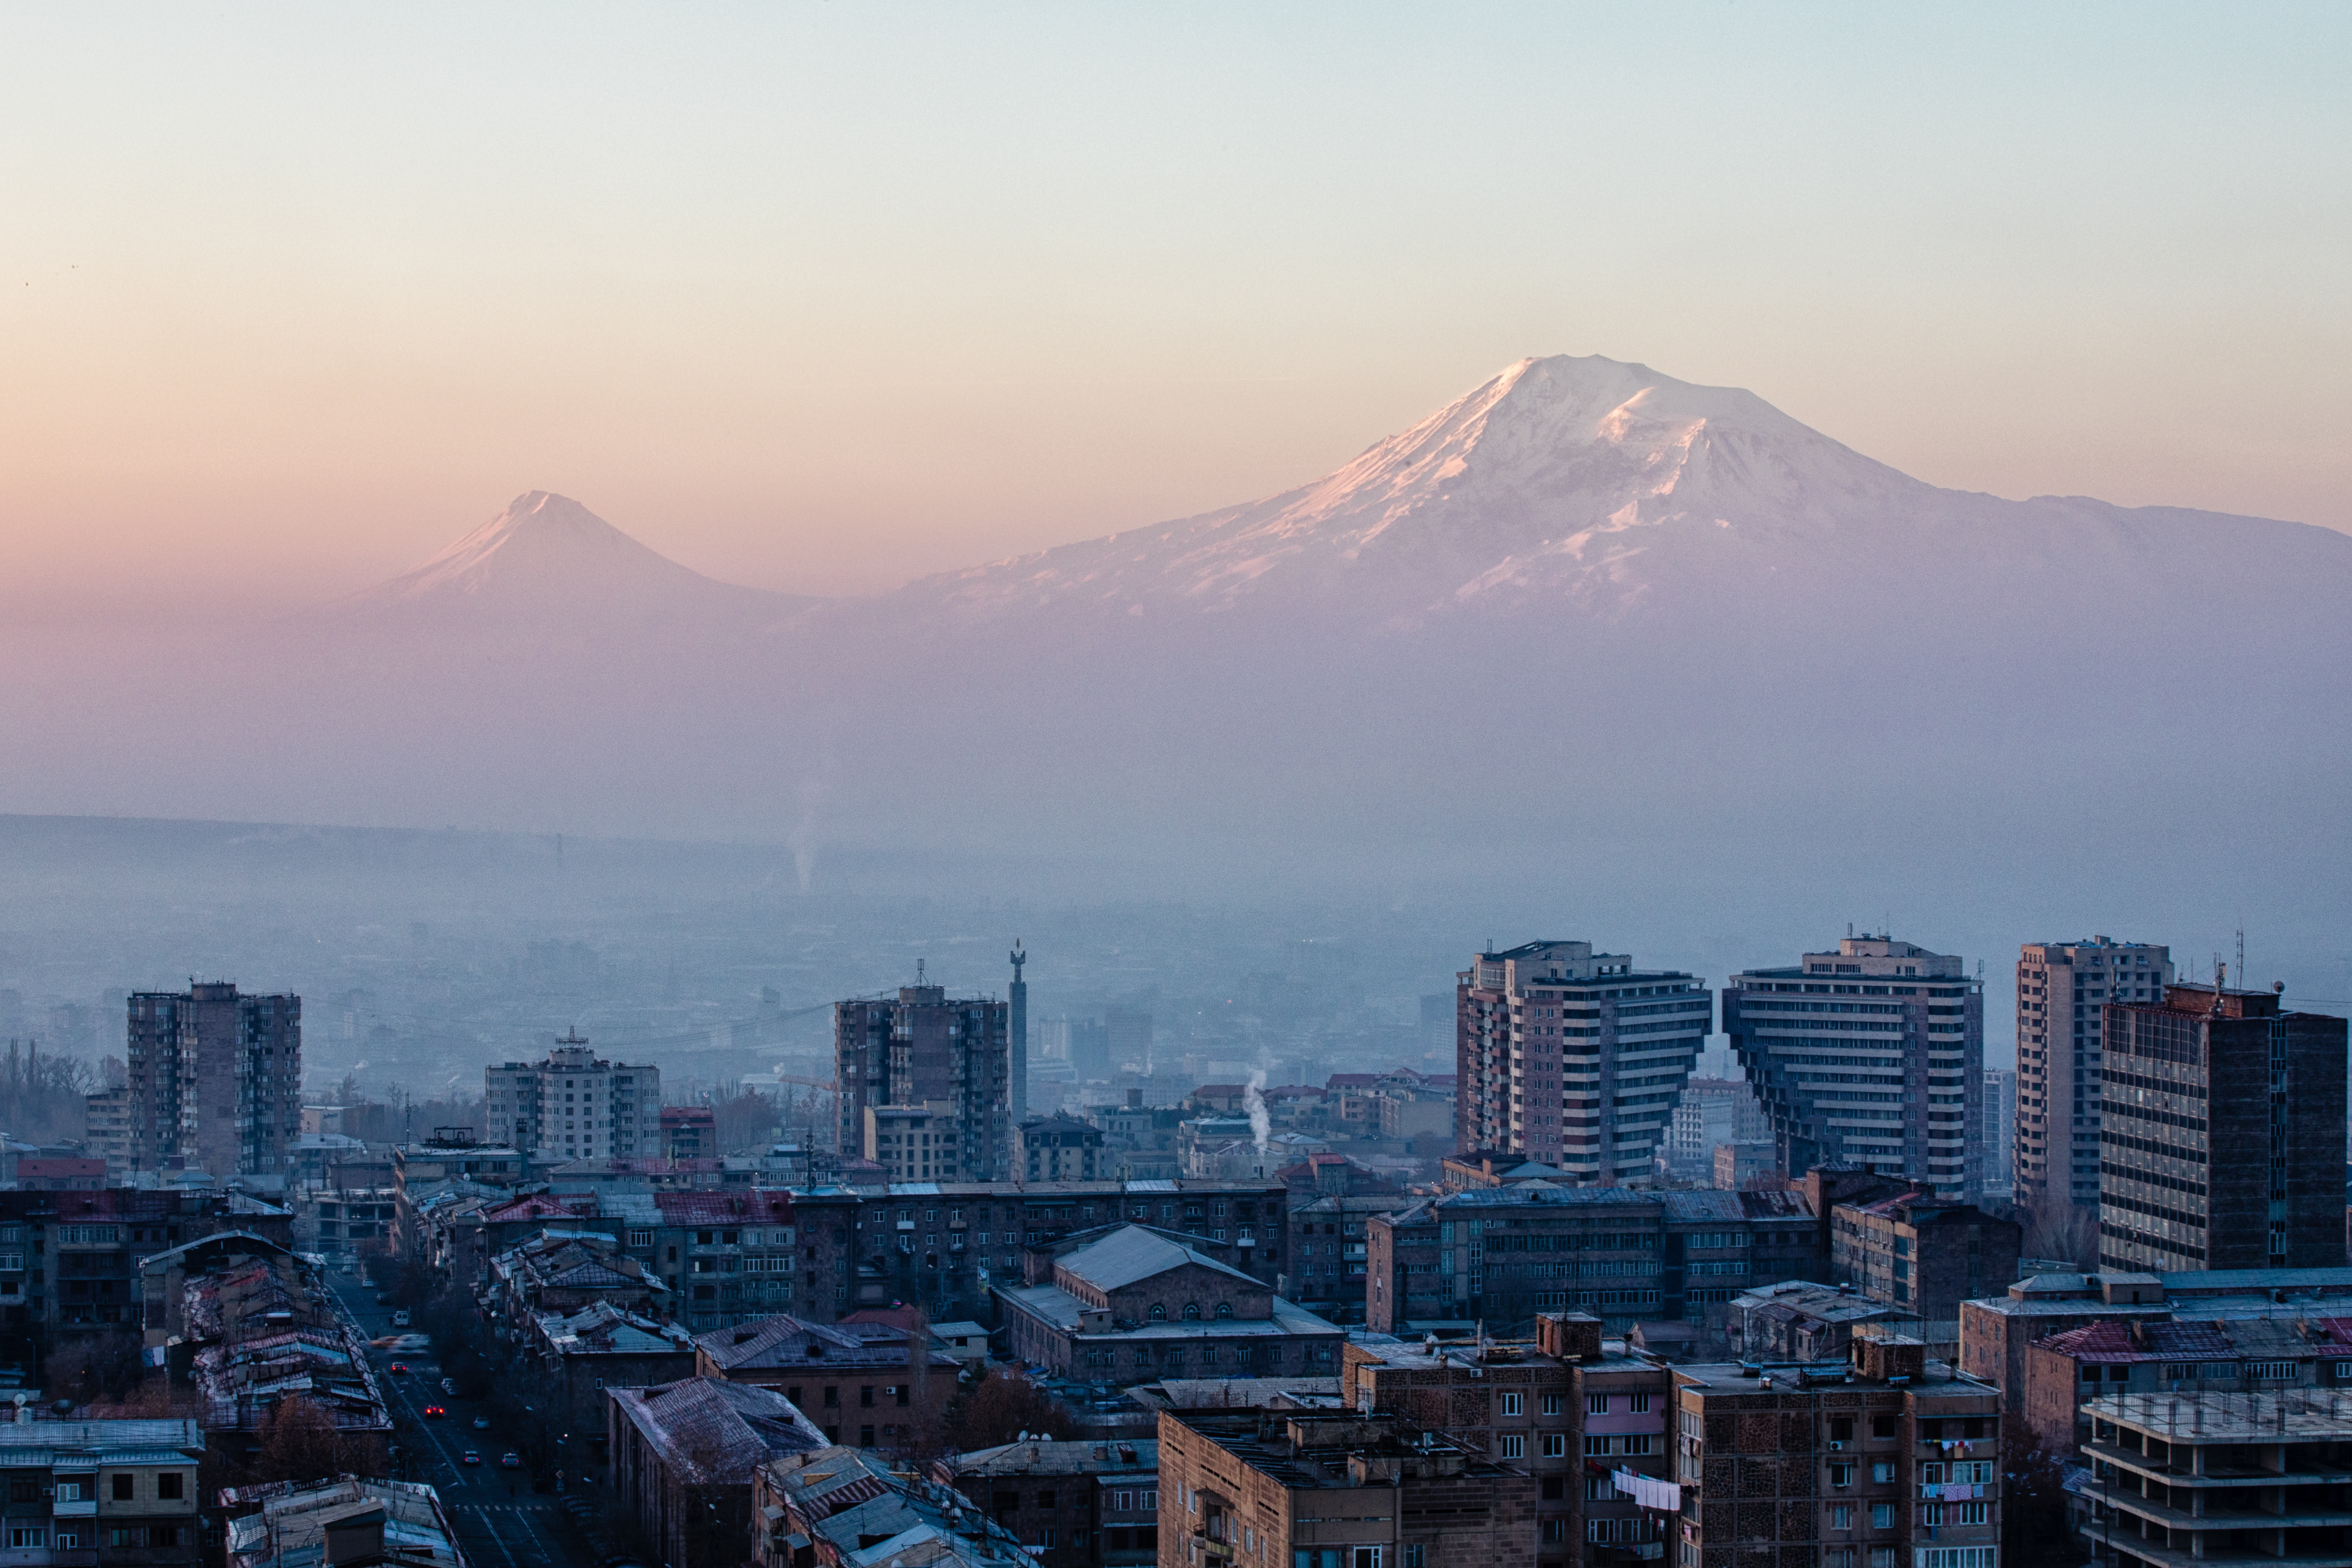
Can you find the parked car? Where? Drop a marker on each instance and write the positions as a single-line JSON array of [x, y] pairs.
[[399, 1319], [481, 1422], [449, 1386], [470, 1457], [434, 1411], [511, 1460], [399, 1369]]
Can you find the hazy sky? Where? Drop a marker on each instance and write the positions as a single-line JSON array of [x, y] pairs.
[[824, 298]]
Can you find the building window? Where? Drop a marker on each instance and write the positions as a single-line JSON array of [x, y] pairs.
[[1639, 1404], [1511, 1404], [168, 1484], [1882, 1516], [1515, 1446], [1596, 1404], [1552, 1403], [1416, 1555], [1555, 1445], [1841, 1516]]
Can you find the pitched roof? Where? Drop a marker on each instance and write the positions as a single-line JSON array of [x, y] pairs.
[[785, 1341], [759, 1205], [1132, 1253], [710, 1431]]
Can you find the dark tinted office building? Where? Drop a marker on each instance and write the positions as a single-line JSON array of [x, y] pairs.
[[2221, 1134]]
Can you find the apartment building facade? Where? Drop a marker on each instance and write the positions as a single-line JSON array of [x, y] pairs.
[[923, 1049], [1871, 1056], [1887, 1460], [574, 1105], [1573, 1057], [213, 1081], [2221, 1134], [1345, 1490], [1922, 1253], [2063, 990]]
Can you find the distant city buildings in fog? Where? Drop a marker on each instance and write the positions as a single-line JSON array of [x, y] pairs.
[[1873, 1056], [1574, 1057]]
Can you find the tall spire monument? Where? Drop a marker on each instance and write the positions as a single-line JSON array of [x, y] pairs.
[[1016, 1031]]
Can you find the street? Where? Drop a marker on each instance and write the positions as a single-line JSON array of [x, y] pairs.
[[500, 1520]]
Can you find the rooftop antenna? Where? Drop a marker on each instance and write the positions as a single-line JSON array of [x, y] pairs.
[[918, 972], [2241, 950]]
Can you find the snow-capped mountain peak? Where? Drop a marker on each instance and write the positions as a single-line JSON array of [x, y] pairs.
[[548, 557], [1524, 483]]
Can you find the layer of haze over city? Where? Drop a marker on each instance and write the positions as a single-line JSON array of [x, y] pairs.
[[1699, 480]]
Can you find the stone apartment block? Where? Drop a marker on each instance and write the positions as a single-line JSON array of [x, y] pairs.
[[1075, 1504], [573, 1105], [1571, 1057], [1335, 1489], [575, 1356], [683, 1456], [1330, 1251], [214, 1081], [866, 1385], [1887, 1461], [70, 1262], [1502, 1254], [1058, 1148], [1922, 1253], [104, 1492], [847, 1507], [1567, 1407]]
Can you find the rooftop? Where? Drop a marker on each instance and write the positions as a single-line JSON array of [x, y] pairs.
[[1056, 1458], [2300, 1416], [874, 1515], [709, 1431], [1133, 1253], [290, 1530], [1313, 1449]]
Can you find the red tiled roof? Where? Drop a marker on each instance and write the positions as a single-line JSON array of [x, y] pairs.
[[2111, 1342]]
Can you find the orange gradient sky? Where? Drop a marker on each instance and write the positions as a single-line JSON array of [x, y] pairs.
[[822, 299]]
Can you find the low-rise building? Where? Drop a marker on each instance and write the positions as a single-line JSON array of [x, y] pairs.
[[1335, 1490], [683, 1454], [575, 1356], [1503, 1254], [100, 1492], [1798, 1320], [1331, 1250], [1922, 1253], [450, 1154], [254, 1325], [1074, 1504], [562, 1271], [1995, 1331], [1884, 1460], [870, 1385], [1058, 1148], [1137, 1304], [847, 1507], [310, 1524], [2193, 1359]]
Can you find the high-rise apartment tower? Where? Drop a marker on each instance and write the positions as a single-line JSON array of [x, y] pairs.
[[2221, 1134], [2062, 988], [214, 1081], [574, 1105], [921, 1049], [1017, 1029], [1573, 1057], [1871, 1056]]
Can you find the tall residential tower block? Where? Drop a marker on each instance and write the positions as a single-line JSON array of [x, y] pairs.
[[1573, 1057], [1871, 1056], [574, 1105], [950, 1058], [215, 1081], [2221, 1134], [2063, 990]]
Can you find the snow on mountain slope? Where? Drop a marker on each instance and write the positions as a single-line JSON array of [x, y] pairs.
[[1573, 482], [546, 558]]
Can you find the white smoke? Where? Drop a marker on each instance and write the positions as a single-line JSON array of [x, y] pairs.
[[1254, 1103]]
